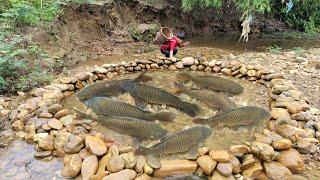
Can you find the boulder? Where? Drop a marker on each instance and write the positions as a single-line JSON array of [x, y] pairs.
[[219, 156], [225, 169], [188, 61], [217, 176], [173, 167], [207, 164], [89, 167], [263, 151], [126, 174], [96, 145], [72, 165], [129, 160], [292, 159], [276, 171], [115, 164], [282, 144], [253, 170], [239, 150]]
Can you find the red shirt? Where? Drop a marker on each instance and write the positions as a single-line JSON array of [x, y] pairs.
[[170, 44]]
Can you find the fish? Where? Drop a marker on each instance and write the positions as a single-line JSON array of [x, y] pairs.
[[179, 142], [143, 93], [213, 82], [108, 107], [241, 116], [185, 177], [107, 88], [211, 99], [127, 125]]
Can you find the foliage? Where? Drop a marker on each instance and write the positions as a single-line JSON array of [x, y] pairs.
[[146, 36], [275, 49]]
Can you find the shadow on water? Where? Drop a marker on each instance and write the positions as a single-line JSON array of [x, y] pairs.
[[254, 94], [257, 43]]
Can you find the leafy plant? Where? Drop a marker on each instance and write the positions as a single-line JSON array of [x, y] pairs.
[[275, 49]]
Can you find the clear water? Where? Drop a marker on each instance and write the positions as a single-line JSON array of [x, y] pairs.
[[254, 94]]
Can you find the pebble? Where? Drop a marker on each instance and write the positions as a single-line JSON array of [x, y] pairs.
[[179, 65], [45, 115], [46, 142], [236, 165], [263, 151], [173, 167], [217, 176], [144, 177], [54, 108], [239, 150], [225, 169], [203, 151], [305, 147], [276, 171], [115, 164], [282, 144], [290, 132], [89, 167], [42, 154], [72, 165], [126, 174], [207, 164], [55, 124], [96, 145], [253, 170], [247, 161], [188, 61], [61, 113], [67, 120], [141, 161], [18, 125], [74, 144], [220, 156], [147, 169], [172, 68], [292, 159], [129, 160]]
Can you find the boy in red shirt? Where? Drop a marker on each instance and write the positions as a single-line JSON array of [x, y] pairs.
[[169, 48]]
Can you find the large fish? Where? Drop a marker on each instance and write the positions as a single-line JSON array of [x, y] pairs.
[[107, 107], [144, 93], [107, 88], [213, 82], [212, 99], [178, 142], [241, 116], [126, 125]]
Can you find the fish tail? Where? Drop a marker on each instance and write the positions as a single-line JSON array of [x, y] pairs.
[[142, 78], [164, 116], [190, 109], [199, 120], [81, 113], [150, 156], [183, 76]]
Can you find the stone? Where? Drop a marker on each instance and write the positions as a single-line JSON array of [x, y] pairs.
[[172, 67], [225, 169], [220, 156], [303, 116], [292, 159], [89, 167], [45, 115], [216, 69], [201, 67], [125, 149], [141, 161], [208, 69], [45, 141], [67, 120], [179, 65], [96, 145], [239, 150], [38, 92], [188, 61], [101, 172], [42, 154], [280, 114], [129, 160], [174, 167], [290, 132], [115, 164], [126, 174], [295, 107], [217, 176], [147, 169], [207, 164], [236, 165], [212, 63], [100, 70], [282, 144], [72, 165], [253, 170], [143, 177], [248, 161], [18, 125], [203, 151], [276, 171], [154, 66], [21, 134], [54, 108], [263, 151], [278, 89], [194, 67], [53, 95], [305, 147], [84, 153], [55, 124], [226, 71], [60, 140], [74, 144]]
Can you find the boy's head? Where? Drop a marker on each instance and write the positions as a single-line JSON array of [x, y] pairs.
[[181, 35]]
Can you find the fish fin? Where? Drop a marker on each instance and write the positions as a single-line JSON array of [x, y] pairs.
[[199, 120], [153, 161], [142, 78], [167, 136], [140, 102], [81, 113], [144, 151], [191, 109], [192, 152], [164, 116]]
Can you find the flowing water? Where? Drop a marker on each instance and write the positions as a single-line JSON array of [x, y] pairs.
[[254, 94]]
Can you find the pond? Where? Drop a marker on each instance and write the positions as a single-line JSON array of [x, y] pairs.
[[254, 94]]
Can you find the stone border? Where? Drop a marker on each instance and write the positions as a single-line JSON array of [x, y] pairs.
[[293, 124]]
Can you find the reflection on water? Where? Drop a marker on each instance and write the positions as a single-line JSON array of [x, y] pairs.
[[230, 42], [254, 94], [17, 162]]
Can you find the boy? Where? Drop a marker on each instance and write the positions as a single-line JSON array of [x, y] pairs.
[[169, 48]]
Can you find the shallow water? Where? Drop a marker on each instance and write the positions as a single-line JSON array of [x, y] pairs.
[[228, 41], [254, 94], [17, 162]]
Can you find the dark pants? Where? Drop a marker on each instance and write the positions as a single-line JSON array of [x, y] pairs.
[[167, 52]]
